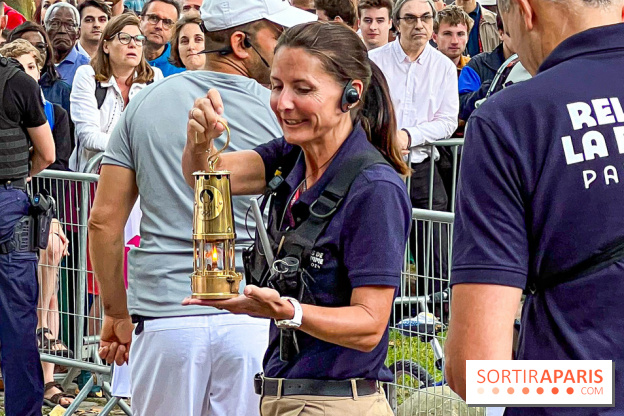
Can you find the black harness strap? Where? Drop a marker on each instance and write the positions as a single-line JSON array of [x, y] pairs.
[[601, 259], [100, 94], [300, 241]]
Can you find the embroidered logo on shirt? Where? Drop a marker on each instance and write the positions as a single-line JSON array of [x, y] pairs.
[[316, 259]]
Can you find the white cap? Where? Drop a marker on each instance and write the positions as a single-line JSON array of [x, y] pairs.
[[487, 2], [224, 14]]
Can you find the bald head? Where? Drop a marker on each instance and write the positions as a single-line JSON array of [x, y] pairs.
[[537, 27]]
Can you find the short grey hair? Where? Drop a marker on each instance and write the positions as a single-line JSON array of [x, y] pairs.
[[60, 5], [396, 10]]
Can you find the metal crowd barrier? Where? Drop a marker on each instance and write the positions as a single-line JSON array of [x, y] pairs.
[[419, 322], [455, 146], [417, 331], [68, 304]]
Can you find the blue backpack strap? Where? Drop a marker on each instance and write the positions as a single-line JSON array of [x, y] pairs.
[[49, 112]]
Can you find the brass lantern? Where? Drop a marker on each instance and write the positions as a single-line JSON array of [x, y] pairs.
[[214, 275]]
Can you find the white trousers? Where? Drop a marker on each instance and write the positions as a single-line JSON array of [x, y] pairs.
[[198, 365]]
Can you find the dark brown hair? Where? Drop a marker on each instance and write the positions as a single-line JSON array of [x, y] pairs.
[[98, 4], [173, 3], [174, 57], [375, 4], [221, 39], [344, 56], [454, 16], [345, 9], [48, 65], [101, 62]]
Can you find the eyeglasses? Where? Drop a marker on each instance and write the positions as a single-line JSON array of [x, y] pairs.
[[188, 7], [154, 19], [125, 38], [411, 19], [56, 25]]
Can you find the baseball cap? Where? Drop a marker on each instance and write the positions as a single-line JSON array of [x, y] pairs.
[[224, 14]]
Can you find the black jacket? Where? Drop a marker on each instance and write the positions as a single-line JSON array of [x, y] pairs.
[[475, 79]]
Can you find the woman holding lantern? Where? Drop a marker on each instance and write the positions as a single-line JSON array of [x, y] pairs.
[[338, 222]]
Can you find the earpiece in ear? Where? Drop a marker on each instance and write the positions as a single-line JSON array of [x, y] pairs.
[[349, 96], [246, 42]]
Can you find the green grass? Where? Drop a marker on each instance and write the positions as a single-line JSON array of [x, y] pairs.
[[402, 348], [413, 349]]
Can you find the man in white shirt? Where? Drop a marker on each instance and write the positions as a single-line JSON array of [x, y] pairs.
[[94, 16], [423, 87]]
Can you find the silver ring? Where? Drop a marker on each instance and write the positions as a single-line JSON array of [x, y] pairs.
[[193, 113]]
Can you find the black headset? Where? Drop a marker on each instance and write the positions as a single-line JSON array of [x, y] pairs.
[[350, 95], [246, 43]]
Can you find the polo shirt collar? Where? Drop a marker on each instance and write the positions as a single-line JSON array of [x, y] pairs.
[[590, 41], [80, 49], [401, 56], [355, 143], [164, 57], [72, 56]]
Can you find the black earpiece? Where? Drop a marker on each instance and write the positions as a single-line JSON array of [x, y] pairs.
[[246, 43], [349, 96]]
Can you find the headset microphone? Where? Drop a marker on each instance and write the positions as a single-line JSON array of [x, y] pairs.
[[349, 96], [228, 49], [248, 44]]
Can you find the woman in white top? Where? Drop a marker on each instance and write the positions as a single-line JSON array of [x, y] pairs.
[[102, 90]]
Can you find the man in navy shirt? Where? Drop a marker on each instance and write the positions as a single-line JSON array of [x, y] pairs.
[[539, 194]]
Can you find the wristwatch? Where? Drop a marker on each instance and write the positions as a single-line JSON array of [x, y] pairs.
[[295, 322]]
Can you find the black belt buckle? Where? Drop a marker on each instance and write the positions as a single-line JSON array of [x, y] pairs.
[[259, 383]]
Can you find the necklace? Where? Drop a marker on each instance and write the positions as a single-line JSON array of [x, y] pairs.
[[303, 186]]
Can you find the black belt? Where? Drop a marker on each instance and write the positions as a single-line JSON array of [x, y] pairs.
[[15, 183], [310, 387]]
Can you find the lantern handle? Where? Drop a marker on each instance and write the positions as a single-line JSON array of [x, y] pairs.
[[213, 158]]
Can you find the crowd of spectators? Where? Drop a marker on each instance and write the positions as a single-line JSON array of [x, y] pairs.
[[91, 59]]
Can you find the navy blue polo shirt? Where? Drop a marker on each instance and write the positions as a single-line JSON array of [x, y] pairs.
[[542, 189], [363, 245], [472, 46]]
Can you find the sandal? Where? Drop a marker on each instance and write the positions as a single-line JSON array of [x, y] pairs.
[[55, 400], [52, 346]]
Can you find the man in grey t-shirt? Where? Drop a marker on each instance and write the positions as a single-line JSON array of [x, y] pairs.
[[184, 360]]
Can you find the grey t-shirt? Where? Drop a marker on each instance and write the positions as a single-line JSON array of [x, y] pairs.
[[149, 139]]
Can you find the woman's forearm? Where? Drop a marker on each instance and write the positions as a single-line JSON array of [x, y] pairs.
[[350, 326], [359, 326]]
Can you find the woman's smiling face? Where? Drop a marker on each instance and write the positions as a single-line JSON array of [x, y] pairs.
[[304, 97]]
